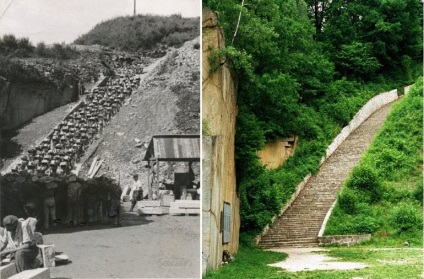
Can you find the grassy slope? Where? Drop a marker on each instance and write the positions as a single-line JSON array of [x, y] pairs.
[[396, 158], [142, 32]]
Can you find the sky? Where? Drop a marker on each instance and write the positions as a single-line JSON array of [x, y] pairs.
[[57, 21]]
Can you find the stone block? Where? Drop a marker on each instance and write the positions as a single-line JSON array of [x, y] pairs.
[[148, 204], [7, 271], [38, 273], [149, 211], [186, 204]]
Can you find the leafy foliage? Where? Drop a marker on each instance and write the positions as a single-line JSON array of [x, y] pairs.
[[405, 217], [365, 179], [362, 36], [348, 201], [12, 47], [306, 78]]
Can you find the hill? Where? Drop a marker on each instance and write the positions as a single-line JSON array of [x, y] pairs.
[[167, 102], [142, 32]]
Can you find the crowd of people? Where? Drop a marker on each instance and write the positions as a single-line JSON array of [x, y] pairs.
[[42, 187], [57, 154]]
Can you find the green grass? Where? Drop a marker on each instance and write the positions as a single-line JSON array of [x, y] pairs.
[[395, 156], [382, 263], [250, 263]]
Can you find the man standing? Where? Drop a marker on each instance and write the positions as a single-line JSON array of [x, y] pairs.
[[136, 193], [49, 204]]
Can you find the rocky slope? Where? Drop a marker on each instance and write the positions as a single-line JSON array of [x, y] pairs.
[[167, 102]]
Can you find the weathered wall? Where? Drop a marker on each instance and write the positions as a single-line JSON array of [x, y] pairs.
[[343, 239], [277, 152], [219, 111], [21, 102]]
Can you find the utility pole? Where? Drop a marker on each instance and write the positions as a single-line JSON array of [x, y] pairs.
[[134, 8]]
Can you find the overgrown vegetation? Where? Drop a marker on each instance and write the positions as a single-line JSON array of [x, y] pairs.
[[12, 47], [306, 68], [383, 195], [14, 66], [142, 32]]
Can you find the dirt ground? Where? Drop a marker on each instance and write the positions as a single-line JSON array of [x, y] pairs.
[[143, 247], [306, 259]]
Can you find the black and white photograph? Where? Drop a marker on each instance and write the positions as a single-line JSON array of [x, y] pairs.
[[100, 139]]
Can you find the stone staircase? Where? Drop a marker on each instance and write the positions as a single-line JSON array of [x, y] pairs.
[[300, 224]]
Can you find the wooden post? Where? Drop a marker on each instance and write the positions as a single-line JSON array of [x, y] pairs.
[[157, 175], [149, 185], [134, 8]]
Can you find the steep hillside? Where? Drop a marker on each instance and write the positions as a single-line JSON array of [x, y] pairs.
[[168, 102], [142, 32]]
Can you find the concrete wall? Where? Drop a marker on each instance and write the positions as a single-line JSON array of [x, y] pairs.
[[219, 111], [369, 108], [277, 152], [21, 102]]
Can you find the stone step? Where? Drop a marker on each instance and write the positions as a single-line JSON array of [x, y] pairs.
[[291, 237], [38, 273], [300, 223]]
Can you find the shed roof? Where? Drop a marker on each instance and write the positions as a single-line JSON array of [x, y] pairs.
[[174, 148]]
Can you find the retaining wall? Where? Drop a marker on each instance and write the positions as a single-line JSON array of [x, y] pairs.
[[369, 108], [343, 239]]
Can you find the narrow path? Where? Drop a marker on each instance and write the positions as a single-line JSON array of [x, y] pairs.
[[307, 259], [300, 224]]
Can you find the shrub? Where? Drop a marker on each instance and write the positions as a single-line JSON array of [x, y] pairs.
[[347, 201], [418, 191], [406, 217], [364, 178], [365, 224]]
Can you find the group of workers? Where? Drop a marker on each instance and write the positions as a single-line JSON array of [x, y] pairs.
[[57, 154]]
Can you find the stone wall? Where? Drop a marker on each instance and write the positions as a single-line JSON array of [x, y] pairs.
[[219, 111], [343, 239], [277, 152], [21, 102]]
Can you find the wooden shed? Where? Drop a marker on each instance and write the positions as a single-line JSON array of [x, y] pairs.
[[171, 148]]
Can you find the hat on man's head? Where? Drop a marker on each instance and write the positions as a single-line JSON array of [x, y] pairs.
[[10, 220]]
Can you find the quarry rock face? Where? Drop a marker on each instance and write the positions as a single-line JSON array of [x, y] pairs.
[[219, 111], [22, 101]]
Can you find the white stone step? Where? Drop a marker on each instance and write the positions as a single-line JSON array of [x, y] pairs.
[[38, 273]]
